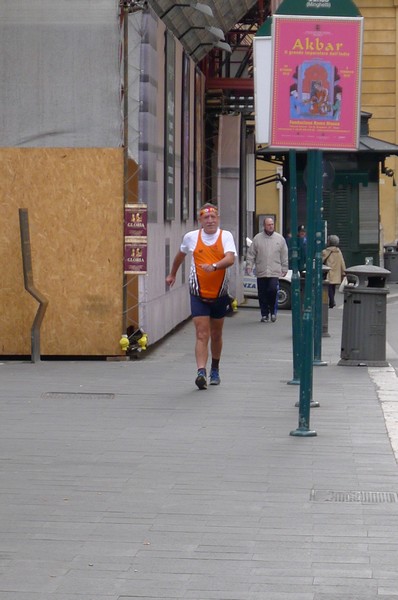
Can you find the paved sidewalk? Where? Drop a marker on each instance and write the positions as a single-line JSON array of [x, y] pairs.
[[122, 481]]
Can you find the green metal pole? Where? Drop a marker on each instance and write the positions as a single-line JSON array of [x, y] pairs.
[[318, 362], [303, 429], [295, 283]]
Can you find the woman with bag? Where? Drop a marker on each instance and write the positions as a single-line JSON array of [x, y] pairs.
[[333, 258]]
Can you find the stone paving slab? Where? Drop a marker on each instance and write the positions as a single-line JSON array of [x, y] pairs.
[[121, 481]]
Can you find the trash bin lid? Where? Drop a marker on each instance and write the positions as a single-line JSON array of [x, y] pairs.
[[367, 275], [370, 270]]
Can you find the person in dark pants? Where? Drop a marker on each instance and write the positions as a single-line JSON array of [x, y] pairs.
[[267, 297], [269, 254], [333, 258]]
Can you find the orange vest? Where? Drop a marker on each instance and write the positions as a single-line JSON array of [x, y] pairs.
[[209, 285]]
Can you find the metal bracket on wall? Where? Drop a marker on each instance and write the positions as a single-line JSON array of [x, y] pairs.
[[29, 285]]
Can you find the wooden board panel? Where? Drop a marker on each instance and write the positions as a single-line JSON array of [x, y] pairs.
[[373, 87], [375, 25], [385, 35], [378, 103], [379, 49], [378, 75], [384, 9], [379, 62], [74, 199], [363, 4]]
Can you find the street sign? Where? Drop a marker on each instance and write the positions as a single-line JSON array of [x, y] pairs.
[[310, 101], [329, 8], [315, 101], [264, 48]]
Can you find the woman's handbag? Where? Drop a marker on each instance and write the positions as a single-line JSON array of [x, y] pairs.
[[343, 284]]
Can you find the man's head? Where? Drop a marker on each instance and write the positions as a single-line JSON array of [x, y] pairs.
[[269, 225], [301, 232], [208, 218]]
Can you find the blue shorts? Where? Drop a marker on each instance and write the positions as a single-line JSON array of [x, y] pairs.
[[215, 309]]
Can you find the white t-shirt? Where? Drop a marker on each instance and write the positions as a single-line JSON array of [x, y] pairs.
[[190, 239], [189, 244]]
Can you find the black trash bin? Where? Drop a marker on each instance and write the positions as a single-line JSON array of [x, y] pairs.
[[363, 338], [391, 262]]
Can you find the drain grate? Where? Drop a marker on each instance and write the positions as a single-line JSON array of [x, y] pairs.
[[359, 497], [76, 396]]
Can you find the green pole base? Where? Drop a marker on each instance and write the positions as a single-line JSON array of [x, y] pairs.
[[303, 432], [317, 362], [294, 381]]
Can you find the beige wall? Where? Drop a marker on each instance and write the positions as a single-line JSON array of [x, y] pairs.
[[267, 195], [379, 94], [74, 199]]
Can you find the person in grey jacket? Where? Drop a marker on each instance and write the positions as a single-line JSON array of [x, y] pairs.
[[269, 254]]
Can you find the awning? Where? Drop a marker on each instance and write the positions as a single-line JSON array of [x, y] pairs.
[[198, 31], [367, 144], [376, 146]]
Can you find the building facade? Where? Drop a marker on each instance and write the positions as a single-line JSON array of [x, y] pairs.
[[103, 106], [102, 113]]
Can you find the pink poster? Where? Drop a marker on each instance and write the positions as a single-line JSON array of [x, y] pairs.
[[316, 82]]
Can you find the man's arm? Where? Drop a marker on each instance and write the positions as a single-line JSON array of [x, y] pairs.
[[285, 259], [250, 258], [177, 262], [227, 261]]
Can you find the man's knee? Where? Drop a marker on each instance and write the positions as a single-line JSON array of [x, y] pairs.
[[216, 327]]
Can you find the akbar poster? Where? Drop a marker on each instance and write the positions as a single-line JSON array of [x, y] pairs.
[[316, 82]]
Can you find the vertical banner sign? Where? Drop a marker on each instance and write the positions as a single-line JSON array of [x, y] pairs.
[[199, 154], [135, 239], [262, 60], [169, 134], [316, 82], [185, 136]]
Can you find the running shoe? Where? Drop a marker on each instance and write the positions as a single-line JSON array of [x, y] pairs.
[[273, 318], [201, 380], [264, 319], [215, 377]]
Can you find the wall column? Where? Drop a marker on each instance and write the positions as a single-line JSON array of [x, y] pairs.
[[228, 186], [396, 110]]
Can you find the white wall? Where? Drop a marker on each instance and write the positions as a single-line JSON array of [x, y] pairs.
[[160, 310]]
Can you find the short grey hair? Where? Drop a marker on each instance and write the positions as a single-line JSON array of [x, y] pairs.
[[334, 240]]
